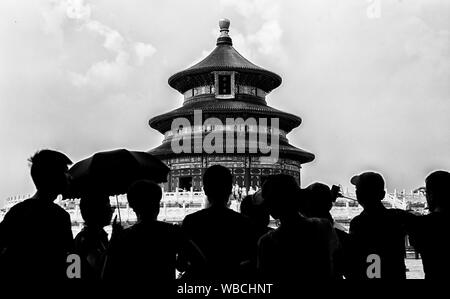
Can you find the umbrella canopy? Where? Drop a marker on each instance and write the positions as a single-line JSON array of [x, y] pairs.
[[112, 172]]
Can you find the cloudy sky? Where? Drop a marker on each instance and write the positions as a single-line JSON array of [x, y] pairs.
[[369, 78]]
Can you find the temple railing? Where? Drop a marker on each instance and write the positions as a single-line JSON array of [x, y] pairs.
[[176, 205]]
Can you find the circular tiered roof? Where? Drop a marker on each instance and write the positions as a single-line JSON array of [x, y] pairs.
[[239, 104], [224, 58]]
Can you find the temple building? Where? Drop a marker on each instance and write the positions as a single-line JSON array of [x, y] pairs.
[[222, 88]]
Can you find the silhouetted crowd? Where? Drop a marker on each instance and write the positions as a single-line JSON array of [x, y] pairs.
[[217, 243]]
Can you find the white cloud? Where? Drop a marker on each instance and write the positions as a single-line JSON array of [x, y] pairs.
[[54, 18], [107, 71], [113, 40], [266, 9], [143, 51], [243, 44], [104, 73], [267, 39], [77, 10]]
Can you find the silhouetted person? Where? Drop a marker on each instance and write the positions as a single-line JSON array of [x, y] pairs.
[[300, 248], [36, 234], [319, 201], [253, 207], [377, 230], [146, 252], [431, 236], [226, 238], [91, 243]]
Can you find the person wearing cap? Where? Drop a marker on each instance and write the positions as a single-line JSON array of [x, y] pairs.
[[36, 234], [431, 231], [377, 230]]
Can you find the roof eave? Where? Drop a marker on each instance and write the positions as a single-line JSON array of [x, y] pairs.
[[175, 81]]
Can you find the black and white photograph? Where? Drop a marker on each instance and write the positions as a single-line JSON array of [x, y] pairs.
[[224, 148]]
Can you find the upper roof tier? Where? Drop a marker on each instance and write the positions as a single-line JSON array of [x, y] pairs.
[[224, 58]]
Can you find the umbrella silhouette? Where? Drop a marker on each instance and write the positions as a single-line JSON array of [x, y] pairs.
[[112, 172]]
